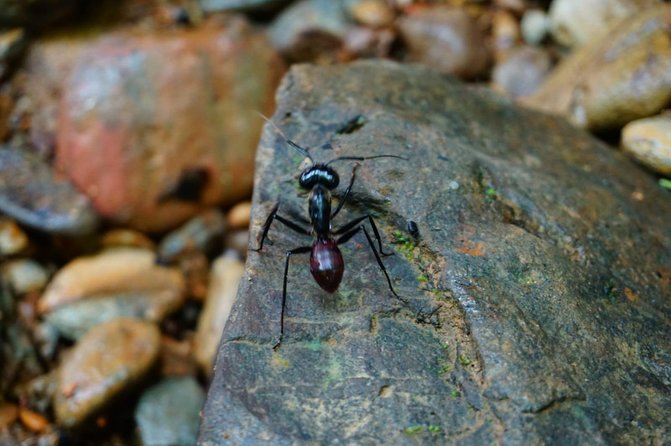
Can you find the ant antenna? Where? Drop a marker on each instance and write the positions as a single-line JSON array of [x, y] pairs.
[[362, 158], [299, 149]]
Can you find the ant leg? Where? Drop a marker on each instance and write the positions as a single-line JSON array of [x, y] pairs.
[[349, 188], [266, 226], [301, 250], [345, 238], [355, 222]]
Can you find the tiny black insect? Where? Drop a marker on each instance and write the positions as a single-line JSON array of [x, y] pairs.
[[326, 261]]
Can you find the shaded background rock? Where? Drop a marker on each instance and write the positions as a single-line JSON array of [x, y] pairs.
[[446, 39], [538, 296], [309, 29], [32, 194], [522, 71]]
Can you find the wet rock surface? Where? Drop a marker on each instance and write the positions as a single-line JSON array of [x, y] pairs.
[[538, 290]]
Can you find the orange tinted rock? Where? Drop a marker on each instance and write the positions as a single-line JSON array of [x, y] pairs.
[[33, 420], [238, 216]]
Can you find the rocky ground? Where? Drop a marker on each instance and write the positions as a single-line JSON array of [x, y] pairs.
[[532, 257]]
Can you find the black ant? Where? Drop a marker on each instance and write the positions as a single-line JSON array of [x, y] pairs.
[[326, 261]]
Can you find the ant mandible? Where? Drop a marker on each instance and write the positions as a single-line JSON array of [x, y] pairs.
[[326, 261]]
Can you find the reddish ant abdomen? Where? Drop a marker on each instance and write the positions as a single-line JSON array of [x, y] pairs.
[[326, 264]]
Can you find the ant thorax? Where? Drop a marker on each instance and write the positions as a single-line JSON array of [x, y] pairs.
[[319, 207]]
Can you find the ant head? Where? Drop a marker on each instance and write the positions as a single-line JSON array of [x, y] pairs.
[[319, 174]]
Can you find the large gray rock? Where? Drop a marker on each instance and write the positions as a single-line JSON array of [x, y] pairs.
[[538, 294]]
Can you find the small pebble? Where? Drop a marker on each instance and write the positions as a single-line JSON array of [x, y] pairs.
[[523, 71], [309, 30], [238, 241], [649, 142], [126, 238], [108, 360], [12, 238], [372, 13], [505, 32], [33, 420], [177, 357], [516, 6], [116, 271], [535, 26], [202, 233], [168, 413], [25, 275], [453, 185], [224, 280], [239, 215]]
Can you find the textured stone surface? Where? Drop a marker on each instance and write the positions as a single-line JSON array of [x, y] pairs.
[[538, 294]]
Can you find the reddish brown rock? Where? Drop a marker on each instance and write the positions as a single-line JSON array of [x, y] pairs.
[[154, 126], [447, 39]]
